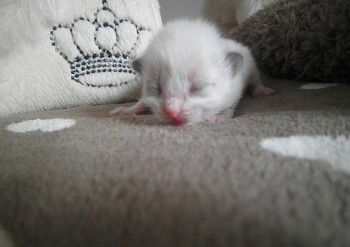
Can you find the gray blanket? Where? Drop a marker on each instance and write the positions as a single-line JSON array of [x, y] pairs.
[[277, 174]]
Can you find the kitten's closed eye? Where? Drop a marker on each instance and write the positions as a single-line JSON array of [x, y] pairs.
[[194, 89], [197, 87], [191, 77], [199, 90]]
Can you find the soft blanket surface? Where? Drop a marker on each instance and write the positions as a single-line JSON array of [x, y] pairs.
[[277, 174]]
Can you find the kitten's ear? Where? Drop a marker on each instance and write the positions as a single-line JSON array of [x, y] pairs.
[[236, 59], [235, 52], [137, 65]]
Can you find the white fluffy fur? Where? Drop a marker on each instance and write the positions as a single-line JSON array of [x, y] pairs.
[[190, 71], [231, 13], [21, 20], [34, 73]]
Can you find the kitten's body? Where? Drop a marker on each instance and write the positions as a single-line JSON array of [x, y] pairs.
[[191, 74]]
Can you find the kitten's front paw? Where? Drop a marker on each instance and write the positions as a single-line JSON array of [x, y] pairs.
[[138, 108], [121, 111]]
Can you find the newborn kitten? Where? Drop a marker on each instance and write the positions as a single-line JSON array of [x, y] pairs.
[[191, 74]]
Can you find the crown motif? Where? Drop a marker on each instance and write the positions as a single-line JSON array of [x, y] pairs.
[[99, 51]]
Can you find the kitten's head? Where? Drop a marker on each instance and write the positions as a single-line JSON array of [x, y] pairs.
[[187, 73], [184, 89]]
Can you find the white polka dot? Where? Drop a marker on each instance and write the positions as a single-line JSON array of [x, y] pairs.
[[314, 86], [46, 125], [335, 151]]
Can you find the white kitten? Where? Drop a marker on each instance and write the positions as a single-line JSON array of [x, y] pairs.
[[191, 74]]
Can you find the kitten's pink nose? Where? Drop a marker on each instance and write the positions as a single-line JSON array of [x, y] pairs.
[[171, 113], [173, 109], [174, 115]]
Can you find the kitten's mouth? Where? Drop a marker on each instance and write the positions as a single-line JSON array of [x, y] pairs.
[[178, 121], [175, 117]]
